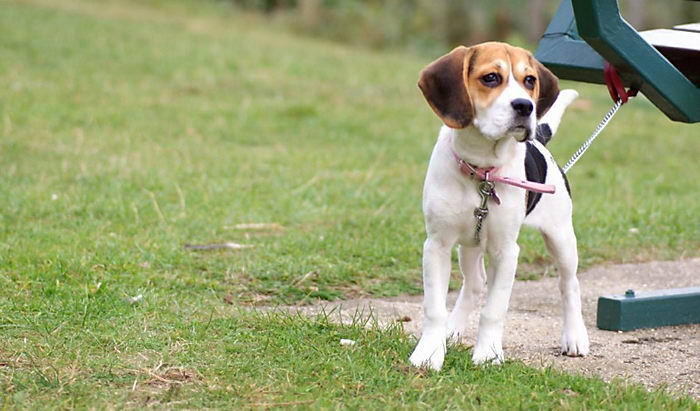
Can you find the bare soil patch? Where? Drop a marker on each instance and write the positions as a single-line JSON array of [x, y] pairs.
[[667, 356]]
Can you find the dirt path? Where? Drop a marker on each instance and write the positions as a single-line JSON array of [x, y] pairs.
[[665, 356]]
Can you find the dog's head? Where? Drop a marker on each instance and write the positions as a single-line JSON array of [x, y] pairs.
[[497, 88]]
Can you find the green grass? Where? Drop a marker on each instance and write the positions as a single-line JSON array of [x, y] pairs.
[[152, 129], [256, 360], [129, 129], [260, 360]]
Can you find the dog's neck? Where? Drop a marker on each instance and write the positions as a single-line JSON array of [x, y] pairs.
[[472, 147]]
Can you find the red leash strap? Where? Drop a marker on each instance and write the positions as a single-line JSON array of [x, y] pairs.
[[615, 87]]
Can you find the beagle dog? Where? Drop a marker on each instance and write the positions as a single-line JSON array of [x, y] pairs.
[[500, 106]]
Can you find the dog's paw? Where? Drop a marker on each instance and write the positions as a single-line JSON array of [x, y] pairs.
[[486, 354], [430, 352], [574, 342], [456, 329]]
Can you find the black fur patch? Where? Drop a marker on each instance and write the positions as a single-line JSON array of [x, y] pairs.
[[566, 181], [543, 133], [536, 171]]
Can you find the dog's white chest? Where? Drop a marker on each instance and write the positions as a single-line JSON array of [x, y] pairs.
[[450, 198]]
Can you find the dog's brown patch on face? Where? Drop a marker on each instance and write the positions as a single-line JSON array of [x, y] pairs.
[[523, 65], [461, 81], [491, 58], [500, 59]]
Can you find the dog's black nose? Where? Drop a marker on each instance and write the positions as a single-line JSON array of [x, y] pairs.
[[522, 106]]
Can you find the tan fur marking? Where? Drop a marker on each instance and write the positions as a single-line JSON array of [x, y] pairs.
[[476, 62], [522, 67], [501, 58]]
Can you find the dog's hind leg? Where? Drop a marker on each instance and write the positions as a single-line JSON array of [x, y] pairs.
[[503, 259], [471, 263], [561, 243]]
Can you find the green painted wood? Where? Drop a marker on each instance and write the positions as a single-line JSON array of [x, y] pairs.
[[584, 32], [649, 309], [640, 65], [564, 52]]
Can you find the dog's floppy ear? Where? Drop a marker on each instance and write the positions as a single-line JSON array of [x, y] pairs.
[[443, 84], [549, 89]]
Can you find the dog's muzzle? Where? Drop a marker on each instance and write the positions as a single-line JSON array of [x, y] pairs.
[[527, 134]]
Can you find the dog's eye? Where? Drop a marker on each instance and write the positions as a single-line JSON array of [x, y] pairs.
[[491, 80], [529, 82]]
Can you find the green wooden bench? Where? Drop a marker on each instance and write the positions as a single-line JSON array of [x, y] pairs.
[[662, 64], [648, 309]]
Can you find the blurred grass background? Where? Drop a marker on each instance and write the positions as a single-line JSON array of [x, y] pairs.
[[123, 141], [430, 27], [131, 128]]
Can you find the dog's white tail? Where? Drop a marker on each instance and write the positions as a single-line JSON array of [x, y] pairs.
[[549, 123]]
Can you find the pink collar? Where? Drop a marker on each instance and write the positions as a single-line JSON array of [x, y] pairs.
[[488, 174]]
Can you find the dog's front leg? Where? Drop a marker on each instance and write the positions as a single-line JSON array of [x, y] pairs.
[[500, 277], [430, 350]]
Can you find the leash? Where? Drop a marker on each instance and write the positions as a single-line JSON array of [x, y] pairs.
[[619, 95]]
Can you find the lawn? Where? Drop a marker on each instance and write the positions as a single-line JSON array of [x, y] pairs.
[[130, 129]]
